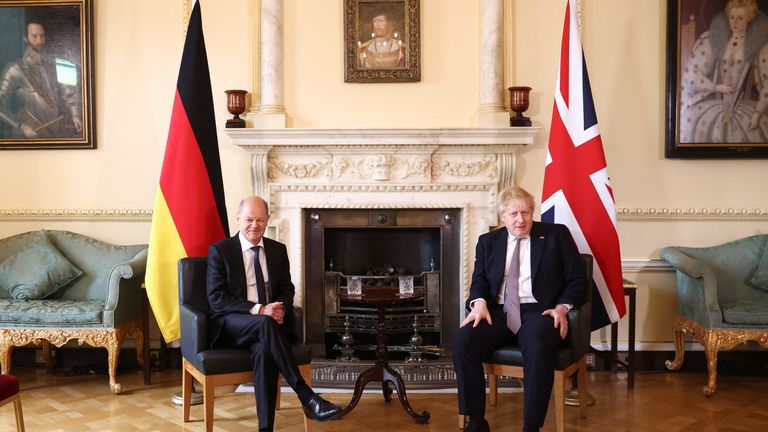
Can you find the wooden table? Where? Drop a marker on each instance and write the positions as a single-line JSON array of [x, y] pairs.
[[381, 371], [630, 290]]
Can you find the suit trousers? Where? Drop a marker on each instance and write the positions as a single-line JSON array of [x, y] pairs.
[[538, 340], [271, 354]]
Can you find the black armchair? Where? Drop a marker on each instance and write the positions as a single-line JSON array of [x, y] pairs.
[[216, 367], [508, 360]]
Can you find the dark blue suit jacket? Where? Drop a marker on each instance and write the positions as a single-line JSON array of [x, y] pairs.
[[226, 283], [557, 270]]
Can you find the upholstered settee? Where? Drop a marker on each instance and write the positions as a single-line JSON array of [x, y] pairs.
[[722, 297], [60, 286]]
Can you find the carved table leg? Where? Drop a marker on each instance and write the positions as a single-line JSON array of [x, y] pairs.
[[391, 375], [679, 348], [141, 339], [48, 355], [387, 391], [372, 374]]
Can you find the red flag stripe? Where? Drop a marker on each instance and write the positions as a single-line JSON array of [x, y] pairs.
[[186, 186]]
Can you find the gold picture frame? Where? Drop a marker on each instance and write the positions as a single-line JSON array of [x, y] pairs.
[[381, 41], [46, 70]]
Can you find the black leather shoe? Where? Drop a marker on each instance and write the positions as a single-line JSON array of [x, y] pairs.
[[320, 409], [477, 427]]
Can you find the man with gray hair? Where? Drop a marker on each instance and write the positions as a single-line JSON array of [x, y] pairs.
[[527, 276], [251, 295]]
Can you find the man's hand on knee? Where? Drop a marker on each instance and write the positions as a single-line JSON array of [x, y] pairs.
[[560, 316], [478, 313]]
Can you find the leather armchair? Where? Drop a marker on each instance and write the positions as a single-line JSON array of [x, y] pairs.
[[215, 367], [508, 359]]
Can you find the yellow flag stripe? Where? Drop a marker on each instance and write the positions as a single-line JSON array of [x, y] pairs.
[[162, 262]]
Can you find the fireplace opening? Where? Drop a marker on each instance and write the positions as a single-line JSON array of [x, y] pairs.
[[377, 247]]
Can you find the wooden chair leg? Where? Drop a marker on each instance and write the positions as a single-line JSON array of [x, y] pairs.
[[583, 387], [559, 394], [19, 414], [186, 392], [279, 391], [208, 393], [493, 388]]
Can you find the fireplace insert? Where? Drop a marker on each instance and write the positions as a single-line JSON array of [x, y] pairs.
[[374, 248]]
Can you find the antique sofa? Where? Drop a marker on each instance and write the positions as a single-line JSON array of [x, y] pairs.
[[57, 286], [722, 297]]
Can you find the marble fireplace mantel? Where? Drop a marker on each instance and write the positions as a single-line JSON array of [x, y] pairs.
[[464, 168], [375, 155]]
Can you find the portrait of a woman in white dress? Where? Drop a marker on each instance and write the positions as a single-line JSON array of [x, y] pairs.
[[724, 81]]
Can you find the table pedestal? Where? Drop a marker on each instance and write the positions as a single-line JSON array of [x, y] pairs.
[[381, 371]]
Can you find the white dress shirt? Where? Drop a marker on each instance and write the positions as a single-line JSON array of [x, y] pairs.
[[525, 288], [250, 271]]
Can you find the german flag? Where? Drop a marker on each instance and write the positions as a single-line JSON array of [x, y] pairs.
[[189, 212]]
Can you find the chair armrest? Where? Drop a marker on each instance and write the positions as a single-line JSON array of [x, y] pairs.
[[580, 330], [297, 323], [194, 336], [124, 284], [696, 287]]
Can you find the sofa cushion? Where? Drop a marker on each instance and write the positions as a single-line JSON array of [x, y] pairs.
[[745, 313], [760, 278], [37, 271], [21, 313]]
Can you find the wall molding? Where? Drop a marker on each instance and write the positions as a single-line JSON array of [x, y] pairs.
[[76, 215], [691, 214], [626, 214]]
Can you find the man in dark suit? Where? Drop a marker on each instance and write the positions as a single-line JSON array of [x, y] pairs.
[[251, 295], [527, 276]]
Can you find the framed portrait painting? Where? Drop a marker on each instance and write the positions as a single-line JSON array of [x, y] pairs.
[[717, 79], [381, 41], [46, 86]]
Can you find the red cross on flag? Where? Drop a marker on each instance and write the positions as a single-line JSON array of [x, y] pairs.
[[577, 190]]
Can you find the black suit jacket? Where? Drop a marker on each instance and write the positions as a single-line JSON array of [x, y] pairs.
[[226, 283], [557, 270]]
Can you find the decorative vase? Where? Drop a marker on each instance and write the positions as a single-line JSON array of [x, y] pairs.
[[518, 101], [235, 106]]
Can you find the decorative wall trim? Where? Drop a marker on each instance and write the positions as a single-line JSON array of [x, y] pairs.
[[688, 214], [76, 215], [650, 214], [384, 188], [186, 10], [639, 265]]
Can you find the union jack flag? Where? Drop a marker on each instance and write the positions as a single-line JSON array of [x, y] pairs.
[[577, 189]]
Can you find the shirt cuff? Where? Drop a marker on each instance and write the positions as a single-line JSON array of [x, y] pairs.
[[568, 307], [472, 303], [255, 309]]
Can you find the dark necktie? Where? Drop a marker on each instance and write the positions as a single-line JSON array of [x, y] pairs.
[[512, 289], [261, 290]]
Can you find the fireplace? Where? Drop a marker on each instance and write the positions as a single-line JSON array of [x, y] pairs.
[[328, 186], [379, 245]]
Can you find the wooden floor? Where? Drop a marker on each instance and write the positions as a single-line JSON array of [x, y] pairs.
[[662, 402]]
